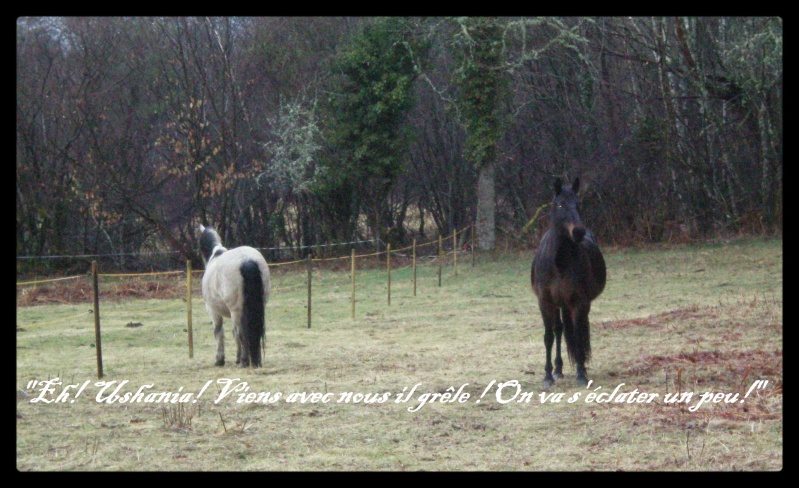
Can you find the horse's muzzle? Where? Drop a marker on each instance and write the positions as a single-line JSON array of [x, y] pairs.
[[577, 232]]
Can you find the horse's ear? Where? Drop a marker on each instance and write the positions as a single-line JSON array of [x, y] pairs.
[[558, 186], [576, 185]]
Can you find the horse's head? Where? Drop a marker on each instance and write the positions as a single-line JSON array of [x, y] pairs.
[[566, 211], [210, 243]]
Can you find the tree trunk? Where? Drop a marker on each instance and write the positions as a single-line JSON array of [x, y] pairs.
[[486, 206]]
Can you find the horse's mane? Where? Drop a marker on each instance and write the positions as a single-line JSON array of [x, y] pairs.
[[209, 239]]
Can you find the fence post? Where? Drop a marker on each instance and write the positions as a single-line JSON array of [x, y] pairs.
[[352, 304], [472, 244], [455, 251], [414, 267], [377, 239], [308, 266], [99, 348], [388, 270], [440, 259], [188, 307]]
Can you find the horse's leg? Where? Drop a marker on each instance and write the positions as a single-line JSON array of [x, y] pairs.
[[582, 338], [558, 373], [238, 345], [242, 354], [549, 314], [219, 334]]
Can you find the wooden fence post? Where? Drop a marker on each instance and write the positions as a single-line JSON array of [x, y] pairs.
[[440, 260], [388, 271], [414, 267], [455, 251], [188, 308], [97, 343], [308, 266], [377, 238], [472, 244], [352, 304]]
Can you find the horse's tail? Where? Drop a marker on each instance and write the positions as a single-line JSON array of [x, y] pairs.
[[578, 338], [252, 316]]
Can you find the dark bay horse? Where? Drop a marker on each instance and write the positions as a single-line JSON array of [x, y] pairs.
[[235, 286], [568, 273]]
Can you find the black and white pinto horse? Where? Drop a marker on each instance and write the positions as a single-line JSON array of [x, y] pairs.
[[235, 286]]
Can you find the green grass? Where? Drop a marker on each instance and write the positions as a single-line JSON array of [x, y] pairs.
[[694, 318]]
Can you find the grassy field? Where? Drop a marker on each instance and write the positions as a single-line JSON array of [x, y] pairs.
[[448, 380]]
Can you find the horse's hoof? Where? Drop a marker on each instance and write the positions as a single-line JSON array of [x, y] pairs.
[[220, 362], [582, 381], [557, 375], [548, 383]]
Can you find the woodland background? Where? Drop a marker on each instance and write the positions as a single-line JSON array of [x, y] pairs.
[[299, 131]]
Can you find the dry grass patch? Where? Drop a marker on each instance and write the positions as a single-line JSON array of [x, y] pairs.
[[676, 333]]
